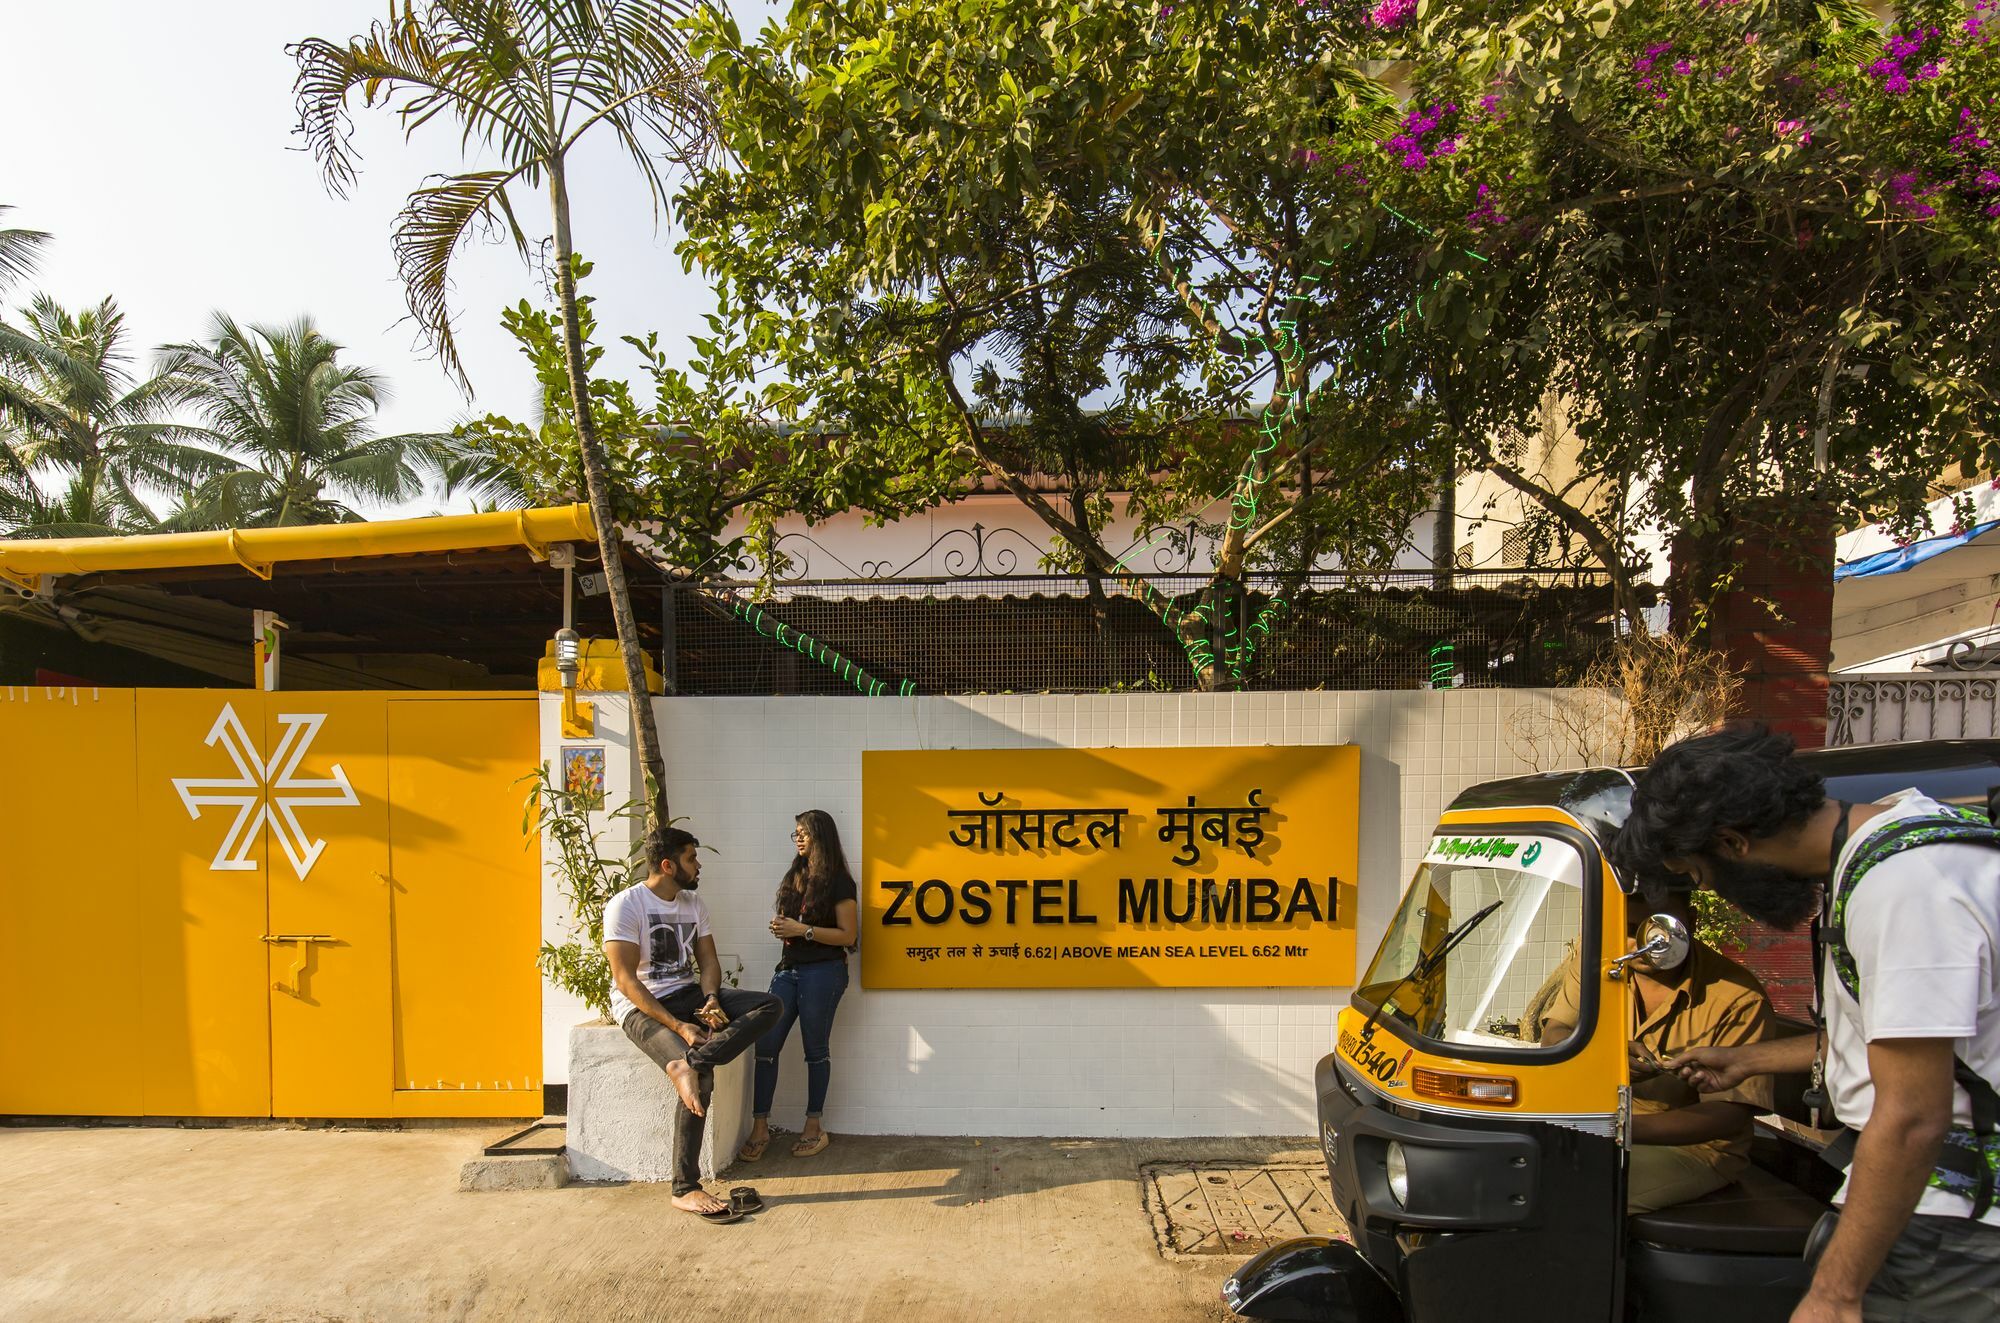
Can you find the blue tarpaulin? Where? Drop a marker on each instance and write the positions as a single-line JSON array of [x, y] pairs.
[[1908, 558]]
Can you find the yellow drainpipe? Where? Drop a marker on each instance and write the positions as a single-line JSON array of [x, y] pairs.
[[257, 550]]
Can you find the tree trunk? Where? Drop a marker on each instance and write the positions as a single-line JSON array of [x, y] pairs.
[[1444, 537], [597, 482]]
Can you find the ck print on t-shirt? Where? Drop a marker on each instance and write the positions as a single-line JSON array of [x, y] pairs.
[[669, 951]]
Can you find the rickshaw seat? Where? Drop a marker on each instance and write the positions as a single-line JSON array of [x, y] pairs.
[[1757, 1214]]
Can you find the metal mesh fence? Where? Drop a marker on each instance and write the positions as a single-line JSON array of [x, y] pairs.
[[1027, 635]]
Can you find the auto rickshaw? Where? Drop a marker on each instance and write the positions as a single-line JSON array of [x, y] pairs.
[[1481, 1172]]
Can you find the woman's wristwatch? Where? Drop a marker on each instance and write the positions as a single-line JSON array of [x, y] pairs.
[[809, 932]]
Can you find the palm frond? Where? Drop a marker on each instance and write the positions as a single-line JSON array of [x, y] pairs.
[[389, 468], [77, 356], [427, 233], [1852, 29], [422, 58], [20, 252]]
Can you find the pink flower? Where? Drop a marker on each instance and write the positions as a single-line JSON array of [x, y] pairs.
[[1644, 63], [1486, 215], [1391, 13], [1906, 192], [1683, 68]]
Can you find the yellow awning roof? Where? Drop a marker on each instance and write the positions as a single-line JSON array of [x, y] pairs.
[[257, 550]]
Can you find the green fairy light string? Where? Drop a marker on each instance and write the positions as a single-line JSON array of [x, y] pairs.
[[1444, 665], [811, 648]]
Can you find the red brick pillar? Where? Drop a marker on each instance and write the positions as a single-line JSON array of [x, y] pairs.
[[1776, 626]]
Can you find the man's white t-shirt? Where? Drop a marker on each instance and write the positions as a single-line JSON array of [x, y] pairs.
[[1924, 927], [665, 933]]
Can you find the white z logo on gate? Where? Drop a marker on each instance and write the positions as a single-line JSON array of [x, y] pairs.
[[245, 792]]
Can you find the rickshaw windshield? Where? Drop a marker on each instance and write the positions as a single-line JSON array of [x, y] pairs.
[[1483, 949]]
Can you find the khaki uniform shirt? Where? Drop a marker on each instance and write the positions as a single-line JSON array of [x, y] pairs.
[[1717, 1003]]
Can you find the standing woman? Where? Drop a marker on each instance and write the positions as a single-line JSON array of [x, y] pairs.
[[816, 923]]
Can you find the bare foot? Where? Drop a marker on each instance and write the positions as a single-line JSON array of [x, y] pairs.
[[699, 1200], [688, 1085]]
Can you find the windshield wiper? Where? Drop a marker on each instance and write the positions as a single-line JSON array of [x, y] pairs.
[[1427, 961]]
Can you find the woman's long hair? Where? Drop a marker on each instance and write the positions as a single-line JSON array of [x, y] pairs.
[[811, 881]]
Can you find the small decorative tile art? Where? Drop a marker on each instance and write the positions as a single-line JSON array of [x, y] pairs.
[[583, 775]]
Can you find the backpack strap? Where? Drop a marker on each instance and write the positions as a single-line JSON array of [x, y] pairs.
[[1974, 1163], [1954, 826], [1966, 1164]]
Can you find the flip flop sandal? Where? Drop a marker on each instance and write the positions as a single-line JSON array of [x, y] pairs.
[[806, 1148], [752, 1150], [745, 1199], [721, 1216]]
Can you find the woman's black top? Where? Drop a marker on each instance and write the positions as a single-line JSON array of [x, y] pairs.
[[799, 951]]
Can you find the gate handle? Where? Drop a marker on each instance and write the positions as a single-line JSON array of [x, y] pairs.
[[305, 943]]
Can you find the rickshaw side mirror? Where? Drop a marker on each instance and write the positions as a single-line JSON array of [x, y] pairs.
[[1663, 945]]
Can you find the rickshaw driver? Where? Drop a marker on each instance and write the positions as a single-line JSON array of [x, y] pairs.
[[1735, 810], [1684, 1145]]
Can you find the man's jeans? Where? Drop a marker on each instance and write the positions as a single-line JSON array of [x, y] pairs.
[[1940, 1270], [750, 1014]]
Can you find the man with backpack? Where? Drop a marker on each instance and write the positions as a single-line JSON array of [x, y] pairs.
[[1906, 894]]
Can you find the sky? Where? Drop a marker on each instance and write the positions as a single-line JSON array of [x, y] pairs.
[[154, 142]]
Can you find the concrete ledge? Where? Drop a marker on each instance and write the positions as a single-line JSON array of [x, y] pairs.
[[623, 1113], [538, 1171]]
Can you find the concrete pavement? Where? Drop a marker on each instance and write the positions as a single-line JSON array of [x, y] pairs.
[[290, 1224]]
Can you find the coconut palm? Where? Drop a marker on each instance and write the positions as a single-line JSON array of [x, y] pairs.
[[299, 422], [526, 80], [74, 417]]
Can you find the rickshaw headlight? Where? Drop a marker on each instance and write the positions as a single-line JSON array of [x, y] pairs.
[[1399, 1174]]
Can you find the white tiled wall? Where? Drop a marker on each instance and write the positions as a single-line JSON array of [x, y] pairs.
[[1156, 1062]]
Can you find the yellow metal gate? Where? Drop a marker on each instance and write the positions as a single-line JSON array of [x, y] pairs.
[[229, 903]]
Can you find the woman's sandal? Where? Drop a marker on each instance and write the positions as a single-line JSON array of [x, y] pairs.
[[806, 1148], [753, 1149]]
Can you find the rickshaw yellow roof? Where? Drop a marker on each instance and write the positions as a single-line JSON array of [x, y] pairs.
[[24, 561]]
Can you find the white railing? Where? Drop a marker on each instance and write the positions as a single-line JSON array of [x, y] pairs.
[[1873, 709]]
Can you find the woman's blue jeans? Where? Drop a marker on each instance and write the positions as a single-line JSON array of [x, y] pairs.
[[807, 994]]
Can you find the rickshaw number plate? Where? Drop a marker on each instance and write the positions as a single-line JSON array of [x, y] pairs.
[[1203, 1209]]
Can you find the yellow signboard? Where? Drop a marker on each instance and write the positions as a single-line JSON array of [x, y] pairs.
[[1109, 868]]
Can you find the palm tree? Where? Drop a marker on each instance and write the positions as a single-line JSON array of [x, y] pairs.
[[526, 80], [71, 410], [300, 424]]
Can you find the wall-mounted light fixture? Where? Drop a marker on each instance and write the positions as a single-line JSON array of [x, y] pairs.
[[579, 720]]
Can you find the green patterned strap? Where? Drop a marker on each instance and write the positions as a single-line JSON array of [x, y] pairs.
[[1969, 1165], [1953, 826]]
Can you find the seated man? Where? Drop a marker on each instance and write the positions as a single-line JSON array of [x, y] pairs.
[[1684, 1144], [667, 994]]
